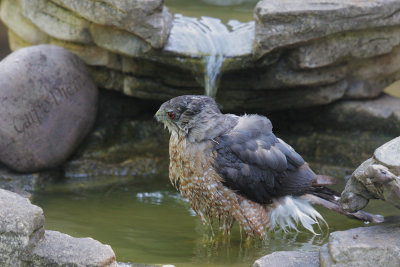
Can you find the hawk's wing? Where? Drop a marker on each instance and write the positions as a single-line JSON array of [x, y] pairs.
[[252, 161]]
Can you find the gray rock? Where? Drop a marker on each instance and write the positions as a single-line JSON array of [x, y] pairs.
[[380, 114], [372, 180], [389, 155], [283, 99], [360, 88], [281, 75], [24, 242], [92, 55], [58, 249], [121, 148], [283, 23], [16, 42], [344, 47], [48, 105], [364, 246], [11, 15], [318, 52], [21, 226], [378, 68], [56, 21], [148, 19], [288, 259], [118, 41]]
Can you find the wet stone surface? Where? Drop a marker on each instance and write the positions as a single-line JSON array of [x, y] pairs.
[[376, 178], [48, 105], [364, 246], [288, 259], [24, 242], [389, 155]]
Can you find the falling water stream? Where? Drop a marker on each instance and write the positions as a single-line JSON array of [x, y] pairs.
[[212, 40]]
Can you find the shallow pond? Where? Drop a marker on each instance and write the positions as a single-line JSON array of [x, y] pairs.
[[148, 222]]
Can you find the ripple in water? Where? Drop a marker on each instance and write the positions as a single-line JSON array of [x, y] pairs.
[[212, 40]]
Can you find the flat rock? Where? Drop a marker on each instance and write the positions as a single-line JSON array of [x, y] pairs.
[[289, 259], [283, 23], [282, 76], [56, 21], [317, 51], [148, 19], [119, 41], [345, 46], [283, 99], [365, 246], [11, 15], [21, 226], [48, 105], [58, 249], [92, 55], [389, 154], [24, 242], [380, 114]]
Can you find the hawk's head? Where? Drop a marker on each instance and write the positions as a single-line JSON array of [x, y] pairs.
[[188, 114]]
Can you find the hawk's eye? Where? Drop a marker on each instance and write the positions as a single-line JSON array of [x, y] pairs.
[[171, 115]]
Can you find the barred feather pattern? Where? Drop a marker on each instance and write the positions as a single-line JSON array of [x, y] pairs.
[[191, 172]]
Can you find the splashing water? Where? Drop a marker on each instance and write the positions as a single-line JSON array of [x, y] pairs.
[[212, 40]]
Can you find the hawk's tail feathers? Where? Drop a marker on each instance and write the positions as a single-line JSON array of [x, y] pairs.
[[332, 204], [291, 211]]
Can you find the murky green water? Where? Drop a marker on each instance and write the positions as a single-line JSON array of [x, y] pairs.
[[197, 8], [149, 222]]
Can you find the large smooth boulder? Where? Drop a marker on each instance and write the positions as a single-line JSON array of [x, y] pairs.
[[48, 105]]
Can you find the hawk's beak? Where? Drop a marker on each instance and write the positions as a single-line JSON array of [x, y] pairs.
[[157, 115]]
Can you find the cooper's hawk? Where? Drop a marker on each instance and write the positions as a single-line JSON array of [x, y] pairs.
[[234, 168]]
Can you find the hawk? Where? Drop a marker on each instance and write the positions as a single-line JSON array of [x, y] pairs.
[[233, 168]]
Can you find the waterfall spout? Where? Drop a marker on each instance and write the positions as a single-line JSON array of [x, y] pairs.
[[211, 40]]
